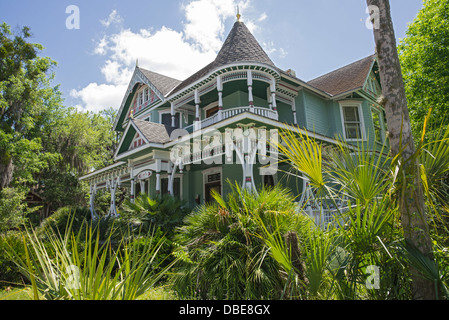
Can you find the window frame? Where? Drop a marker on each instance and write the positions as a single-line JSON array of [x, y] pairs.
[[358, 105]]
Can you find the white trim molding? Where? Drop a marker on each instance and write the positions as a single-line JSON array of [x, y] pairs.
[[353, 103]]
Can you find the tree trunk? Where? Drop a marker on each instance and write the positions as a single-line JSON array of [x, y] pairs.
[[6, 170], [411, 197]]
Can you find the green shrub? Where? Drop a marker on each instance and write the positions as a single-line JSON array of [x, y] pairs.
[[9, 272], [222, 254], [60, 220]]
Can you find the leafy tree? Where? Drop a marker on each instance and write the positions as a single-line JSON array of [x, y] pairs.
[[84, 141], [12, 209], [43, 143], [424, 56], [24, 93]]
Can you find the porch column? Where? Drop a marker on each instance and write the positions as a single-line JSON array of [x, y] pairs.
[[113, 185], [220, 98], [197, 110], [273, 96], [169, 171], [93, 191], [295, 121], [250, 90], [142, 187], [158, 176], [173, 114], [132, 195], [171, 179]]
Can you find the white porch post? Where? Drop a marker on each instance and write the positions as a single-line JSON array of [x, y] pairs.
[[173, 114], [169, 170], [273, 96], [113, 185], [250, 90], [295, 121], [93, 191], [220, 98], [171, 180], [158, 176], [246, 150], [197, 111], [133, 190], [142, 186]]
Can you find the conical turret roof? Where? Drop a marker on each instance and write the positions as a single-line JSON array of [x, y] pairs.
[[239, 46]]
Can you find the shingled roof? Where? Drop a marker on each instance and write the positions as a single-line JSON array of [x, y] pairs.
[[154, 132], [163, 83], [345, 79], [239, 46]]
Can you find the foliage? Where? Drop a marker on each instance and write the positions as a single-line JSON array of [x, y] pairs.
[[13, 210], [164, 212], [10, 276], [24, 95], [81, 267], [62, 218], [424, 55], [366, 231], [222, 255], [44, 144]]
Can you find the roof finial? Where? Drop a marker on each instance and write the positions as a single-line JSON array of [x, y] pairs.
[[238, 14], [137, 62]]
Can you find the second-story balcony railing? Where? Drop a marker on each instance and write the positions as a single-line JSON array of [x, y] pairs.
[[229, 113]]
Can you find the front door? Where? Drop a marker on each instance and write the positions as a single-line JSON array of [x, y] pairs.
[[212, 183]]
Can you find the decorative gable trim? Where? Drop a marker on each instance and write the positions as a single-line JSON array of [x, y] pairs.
[[138, 141], [137, 78]]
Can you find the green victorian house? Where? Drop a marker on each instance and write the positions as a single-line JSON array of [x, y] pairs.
[[187, 138]]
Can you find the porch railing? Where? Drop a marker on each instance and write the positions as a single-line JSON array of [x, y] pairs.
[[229, 113]]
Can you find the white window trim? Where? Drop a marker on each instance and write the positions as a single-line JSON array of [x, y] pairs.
[[352, 103], [208, 172]]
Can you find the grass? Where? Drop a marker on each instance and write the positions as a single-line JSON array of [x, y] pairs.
[[26, 293]]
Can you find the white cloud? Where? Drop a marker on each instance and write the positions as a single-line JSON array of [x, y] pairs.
[[262, 17], [114, 18], [97, 97], [205, 22], [177, 54]]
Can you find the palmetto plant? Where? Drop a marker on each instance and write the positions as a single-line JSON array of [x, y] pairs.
[[366, 231], [222, 255], [77, 267]]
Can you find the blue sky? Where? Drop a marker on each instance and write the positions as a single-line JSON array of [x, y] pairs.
[[178, 37]]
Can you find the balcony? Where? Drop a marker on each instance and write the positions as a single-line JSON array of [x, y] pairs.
[[229, 113]]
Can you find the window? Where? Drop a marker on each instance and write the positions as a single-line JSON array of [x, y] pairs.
[[351, 113], [176, 187], [140, 98], [166, 119], [147, 94]]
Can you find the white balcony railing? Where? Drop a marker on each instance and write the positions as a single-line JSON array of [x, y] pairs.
[[229, 113]]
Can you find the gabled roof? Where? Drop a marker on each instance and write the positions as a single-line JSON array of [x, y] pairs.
[[163, 83], [345, 79], [239, 46], [153, 132]]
